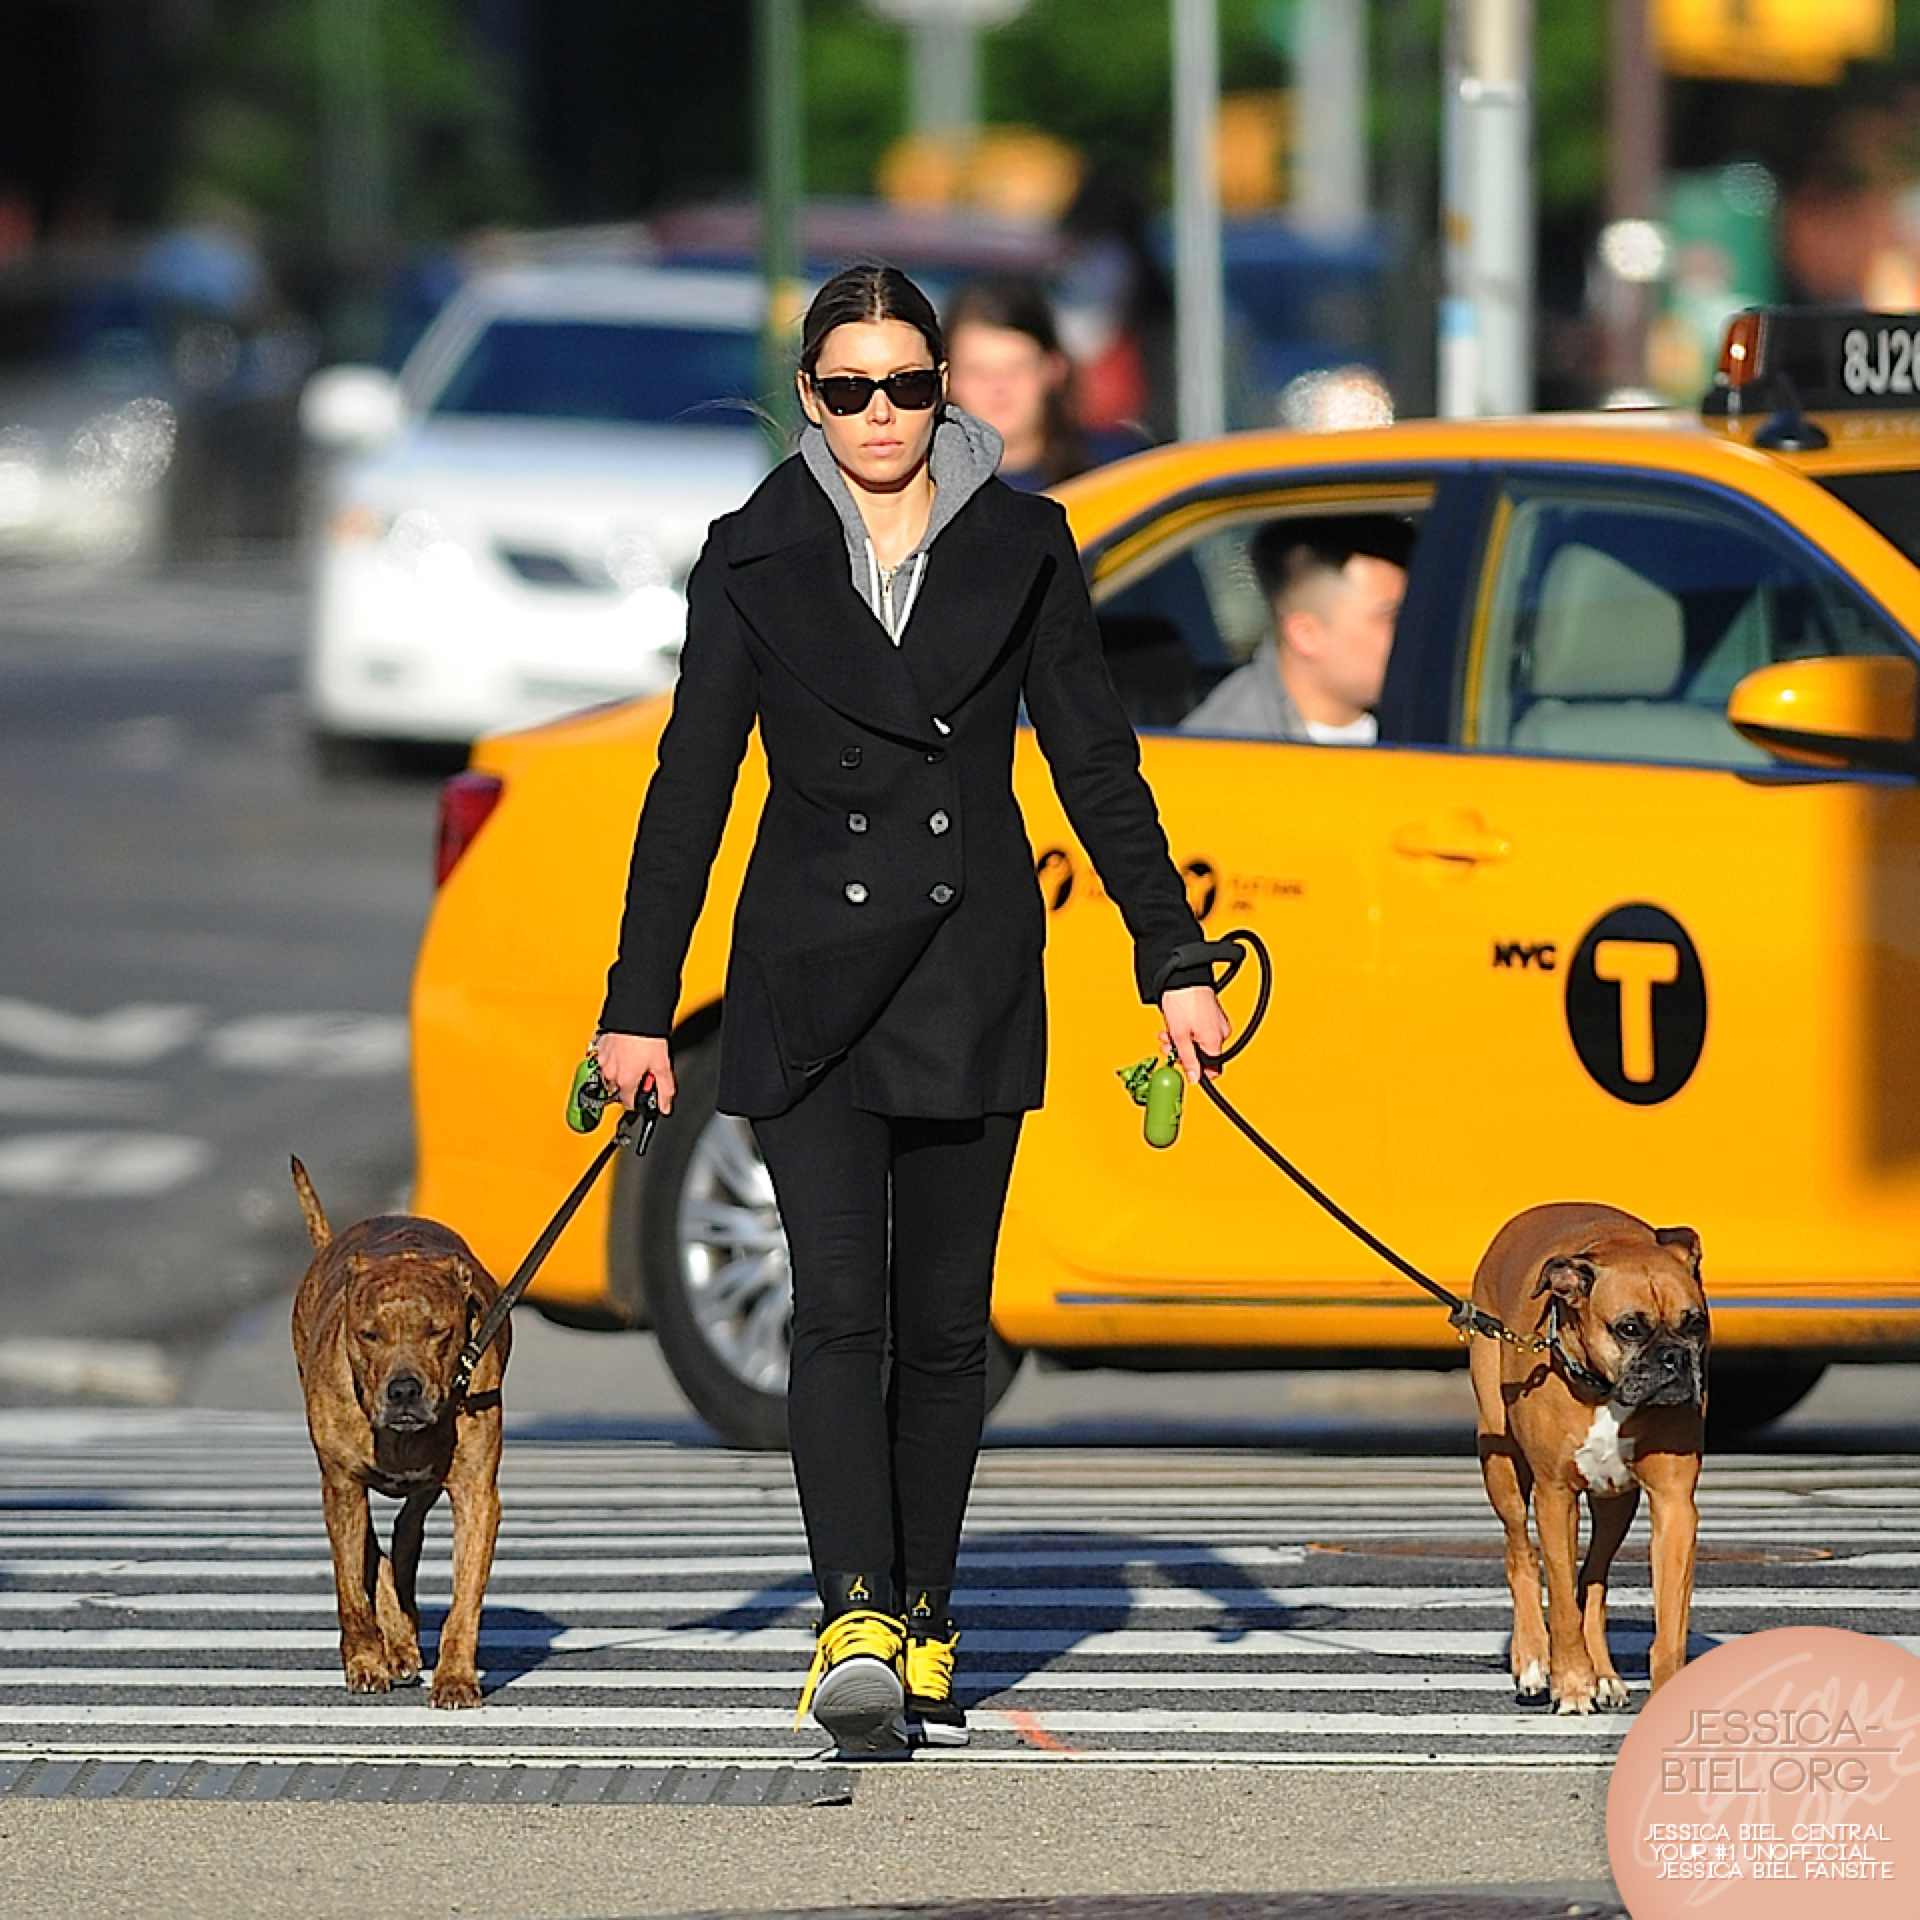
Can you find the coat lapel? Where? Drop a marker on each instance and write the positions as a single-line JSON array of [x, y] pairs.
[[802, 602], [790, 578], [979, 574]]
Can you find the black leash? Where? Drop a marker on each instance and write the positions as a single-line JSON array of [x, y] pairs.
[[644, 1114], [1461, 1314]]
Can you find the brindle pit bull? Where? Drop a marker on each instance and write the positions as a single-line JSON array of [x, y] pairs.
[[378, 1323], [1631, 1308]]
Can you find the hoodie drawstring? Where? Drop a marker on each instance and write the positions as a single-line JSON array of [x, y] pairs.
[[905, 606], [913, 593]]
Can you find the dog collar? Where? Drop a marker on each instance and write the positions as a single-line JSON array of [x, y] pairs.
[[1577, 1371]]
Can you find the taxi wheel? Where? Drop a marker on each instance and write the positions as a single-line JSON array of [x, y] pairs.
[[713, 1264], [1742, 1397]]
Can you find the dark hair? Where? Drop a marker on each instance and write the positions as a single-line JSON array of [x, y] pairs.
[[869, 290], [1019, 302], [1286, 553]]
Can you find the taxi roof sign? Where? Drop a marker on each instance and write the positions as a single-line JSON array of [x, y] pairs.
[[1821, 359]]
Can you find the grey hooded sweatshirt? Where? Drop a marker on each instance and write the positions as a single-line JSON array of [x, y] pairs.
[[965, 454]]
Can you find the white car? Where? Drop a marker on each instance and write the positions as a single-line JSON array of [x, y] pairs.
[[510, 535]]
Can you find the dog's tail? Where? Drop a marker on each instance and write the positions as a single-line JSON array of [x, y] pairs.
[[311, 1210]]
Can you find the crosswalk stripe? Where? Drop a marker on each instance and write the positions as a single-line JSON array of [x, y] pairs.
[[738, 1679], [392, 1713], [1424, 1643], [165, 1590], [611, 1567], [1388, 1597]]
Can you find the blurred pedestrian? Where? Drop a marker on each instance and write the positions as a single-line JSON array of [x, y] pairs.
[[1116, 306], [1007, 366], [879, 606]]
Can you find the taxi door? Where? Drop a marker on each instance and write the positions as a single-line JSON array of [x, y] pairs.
[[1628, 956], [1198, 1246]]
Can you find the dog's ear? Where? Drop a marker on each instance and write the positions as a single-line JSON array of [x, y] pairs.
[[1684, 1237], [1566, 1279], [476, 1308]]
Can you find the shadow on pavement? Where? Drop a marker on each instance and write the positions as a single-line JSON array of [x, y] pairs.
[[1313, 1435]]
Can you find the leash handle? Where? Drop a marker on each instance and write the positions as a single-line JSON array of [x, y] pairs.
[[1232, 948]]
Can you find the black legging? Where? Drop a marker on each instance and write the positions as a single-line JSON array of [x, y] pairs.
[[883, 1481]]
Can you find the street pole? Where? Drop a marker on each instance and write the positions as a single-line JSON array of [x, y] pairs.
[[353, 128], [777, 52], [1487, 211], [1330, 110], [1199, 325], [1413, 77], [945, 76], [1636, 145]]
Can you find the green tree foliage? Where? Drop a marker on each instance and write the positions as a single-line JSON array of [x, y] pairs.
[[1098, 72], [254, 129]]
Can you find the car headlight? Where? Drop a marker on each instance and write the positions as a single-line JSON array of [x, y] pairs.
[[633, 561], [413, 541], [125, 450], [23, 474]]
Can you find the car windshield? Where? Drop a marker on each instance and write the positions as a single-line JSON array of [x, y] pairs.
[[611, 370], [1887, 502]]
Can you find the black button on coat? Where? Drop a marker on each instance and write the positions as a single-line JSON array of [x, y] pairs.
[[915, 954]]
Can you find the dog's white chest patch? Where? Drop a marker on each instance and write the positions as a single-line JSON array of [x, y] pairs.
[[1604, 1454]]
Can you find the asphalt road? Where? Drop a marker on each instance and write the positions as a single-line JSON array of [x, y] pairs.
[[204, 960]]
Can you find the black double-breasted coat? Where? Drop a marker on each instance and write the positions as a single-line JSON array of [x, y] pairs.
[[890, 911]]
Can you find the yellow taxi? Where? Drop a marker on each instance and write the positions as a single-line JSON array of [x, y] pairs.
[[1624, 905]]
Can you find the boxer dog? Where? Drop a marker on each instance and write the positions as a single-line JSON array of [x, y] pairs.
[[378, 1324], [1616, 1403]]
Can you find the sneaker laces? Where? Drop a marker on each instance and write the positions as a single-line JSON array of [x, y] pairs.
[[930, 1666], [860, 1630]]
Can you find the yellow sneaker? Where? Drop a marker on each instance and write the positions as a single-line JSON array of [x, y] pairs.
[[931, 1640], [856, 1685]]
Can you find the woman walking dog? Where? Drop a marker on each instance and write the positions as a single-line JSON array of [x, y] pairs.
[[880, 605]]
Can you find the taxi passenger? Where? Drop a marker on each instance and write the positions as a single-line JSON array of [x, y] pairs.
[[1334, 584]]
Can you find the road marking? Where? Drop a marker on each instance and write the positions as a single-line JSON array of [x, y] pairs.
[[40, 1095], [792, 1568], [131, 1369], [653, 1603], [654, 1679], [1138, 1643], [130, 1036], [331, 1045], [1033, 1733], [1218, 1601], [399, 1714], [101, 1165]]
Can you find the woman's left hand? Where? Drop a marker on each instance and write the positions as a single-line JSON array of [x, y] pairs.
[[1194, 1019]]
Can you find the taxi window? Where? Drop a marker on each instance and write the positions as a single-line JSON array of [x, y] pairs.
[[1616, 626], [1174, 631], [1888, 502]]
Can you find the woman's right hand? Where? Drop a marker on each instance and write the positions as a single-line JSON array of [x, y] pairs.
[[630, 1061]]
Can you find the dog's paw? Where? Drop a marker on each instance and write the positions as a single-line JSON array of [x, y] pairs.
[[1530, 1683], [403, 1664], [455, 1690], [1574, 1699], [1610, 1691], [367, 1672]]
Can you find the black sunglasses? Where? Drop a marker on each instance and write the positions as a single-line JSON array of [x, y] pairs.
[[916, 390]]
